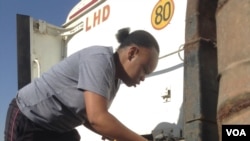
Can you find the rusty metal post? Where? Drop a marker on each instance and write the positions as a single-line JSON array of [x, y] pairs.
[[200, 72], [233, 22]]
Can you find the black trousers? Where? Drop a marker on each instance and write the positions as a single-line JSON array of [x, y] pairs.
[[20, 128]]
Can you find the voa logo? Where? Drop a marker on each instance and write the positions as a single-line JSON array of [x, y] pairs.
[[236, 132]]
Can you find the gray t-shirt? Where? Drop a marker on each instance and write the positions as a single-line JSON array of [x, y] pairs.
[[55, 100]]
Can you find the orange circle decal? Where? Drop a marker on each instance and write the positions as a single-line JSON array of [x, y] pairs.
[[162, 14]]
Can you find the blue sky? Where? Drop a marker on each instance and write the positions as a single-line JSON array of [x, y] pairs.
[[52, 11]]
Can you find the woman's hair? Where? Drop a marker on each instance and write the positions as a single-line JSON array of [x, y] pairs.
[[139, 37]]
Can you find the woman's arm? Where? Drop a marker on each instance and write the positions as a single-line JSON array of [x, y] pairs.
[[104, 123], [87, 125]]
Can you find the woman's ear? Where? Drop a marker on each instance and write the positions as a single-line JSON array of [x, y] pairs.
[[132, 52]]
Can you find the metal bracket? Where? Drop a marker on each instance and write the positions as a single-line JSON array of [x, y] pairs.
[[167, 96]]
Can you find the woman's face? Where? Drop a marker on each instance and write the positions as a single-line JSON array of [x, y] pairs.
[[140, 62]]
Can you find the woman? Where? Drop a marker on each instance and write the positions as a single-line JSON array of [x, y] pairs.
[[80, 89]]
